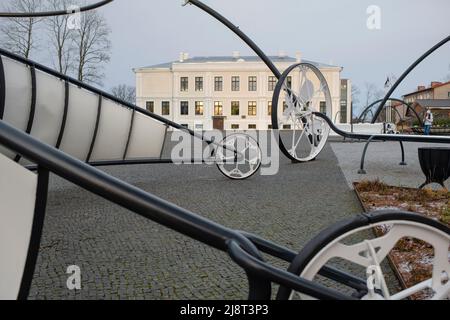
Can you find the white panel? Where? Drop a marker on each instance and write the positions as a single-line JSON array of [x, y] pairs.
[[17, 200], [147, 138], [113, 132], [49, 108], [18, 93], [80, 125], [18, 96]]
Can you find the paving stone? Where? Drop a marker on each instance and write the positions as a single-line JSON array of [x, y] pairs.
[[123, 255]]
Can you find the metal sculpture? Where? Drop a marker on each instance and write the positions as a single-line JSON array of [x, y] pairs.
[[369, 109], [406, 73], [304, 113], [22, 210], [96, 127]]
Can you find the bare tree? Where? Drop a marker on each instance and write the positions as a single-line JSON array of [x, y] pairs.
[[92, 46], [125, 93], [355, 99], [61, 37], [372, 93], [19, 33], [447, 77], [356, 92]]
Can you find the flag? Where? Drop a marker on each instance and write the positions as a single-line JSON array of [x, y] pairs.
[[387, 85]]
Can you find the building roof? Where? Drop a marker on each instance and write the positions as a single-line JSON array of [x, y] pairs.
[[434, 103], [427, 89], [218, 59]]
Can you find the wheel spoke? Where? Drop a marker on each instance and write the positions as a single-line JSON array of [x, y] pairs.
[[371, 253], [243, 166], [299, 115]]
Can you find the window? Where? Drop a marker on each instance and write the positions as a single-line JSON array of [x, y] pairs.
[[165, 106], [343, 111], [150, 106], [289, 82], [218, 108], [184, 84], [199, 127], [269, 108], [235, 108], [184, 108], [287, 127], [235, 83], [272, 83], [252, 86], [449, 94], [218, 84], [323, 107], [252, 108], [252, 126], [270, 127], [199, 84], [199, 108], [235, 126], [285, 106]]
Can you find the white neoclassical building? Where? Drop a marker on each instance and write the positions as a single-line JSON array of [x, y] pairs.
[[229, 92]]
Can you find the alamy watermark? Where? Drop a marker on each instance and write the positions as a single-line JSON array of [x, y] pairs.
[[228, 148], [74, 280], [74, 19], [374, 17]]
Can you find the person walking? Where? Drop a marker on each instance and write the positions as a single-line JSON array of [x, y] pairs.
[[428, 122]]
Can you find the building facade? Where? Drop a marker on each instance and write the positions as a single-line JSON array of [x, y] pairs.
[[345, 111], [231, 92], [436, 97], [437, 90]]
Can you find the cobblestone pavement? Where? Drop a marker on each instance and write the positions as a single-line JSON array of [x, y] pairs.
[[382, 162], [124, 256]]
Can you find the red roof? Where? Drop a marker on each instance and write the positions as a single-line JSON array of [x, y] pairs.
[[427, 89]]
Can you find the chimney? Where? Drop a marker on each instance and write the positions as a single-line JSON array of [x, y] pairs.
[[435, 84], [181, 59], [282, 54], [236, 55], [298, 57], [419, 88]]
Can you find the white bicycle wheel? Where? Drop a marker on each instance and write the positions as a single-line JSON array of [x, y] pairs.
[[303, 135], [238, 156], [352, 248]]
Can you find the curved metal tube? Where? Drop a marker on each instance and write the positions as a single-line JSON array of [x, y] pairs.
[[53, 13], [383, 137], [408, 106], [239, 33], [278, 74], [366, 147], [243, 250], [405, 74]]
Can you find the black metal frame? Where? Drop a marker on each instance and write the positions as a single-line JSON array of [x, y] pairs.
[[102, 95], [245, 249], [281, 78], [364, 113], [53, 13], [36, 232], [66, 111], [405, 74], [32, 106], [366, 147], [2, 89]]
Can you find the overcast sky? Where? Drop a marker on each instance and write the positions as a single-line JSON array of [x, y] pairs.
[[146, 32]]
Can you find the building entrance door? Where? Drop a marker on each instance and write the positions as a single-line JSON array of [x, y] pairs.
[[218, 123]]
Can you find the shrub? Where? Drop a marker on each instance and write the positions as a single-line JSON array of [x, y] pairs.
[[372, 186]]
